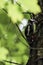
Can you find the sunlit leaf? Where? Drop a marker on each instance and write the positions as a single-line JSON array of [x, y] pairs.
[[14, 13], [2, 3], [30, 5], [3, 53]]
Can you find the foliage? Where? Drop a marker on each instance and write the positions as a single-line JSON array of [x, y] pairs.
[[30, 6]]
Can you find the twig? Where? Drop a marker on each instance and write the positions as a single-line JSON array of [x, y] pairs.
[[21, 33], [11, 62], [36, 48]]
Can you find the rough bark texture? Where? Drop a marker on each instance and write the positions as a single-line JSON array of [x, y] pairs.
[[36, 55]]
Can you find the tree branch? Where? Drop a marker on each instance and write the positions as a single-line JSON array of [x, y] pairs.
[[12, 62]]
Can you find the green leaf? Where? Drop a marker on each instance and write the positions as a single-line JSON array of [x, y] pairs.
[[11, 39], [30, 5], [2, 3], [3, 53], [14, 13]]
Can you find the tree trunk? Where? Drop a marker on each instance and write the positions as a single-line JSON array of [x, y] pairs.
[[36, 55]]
